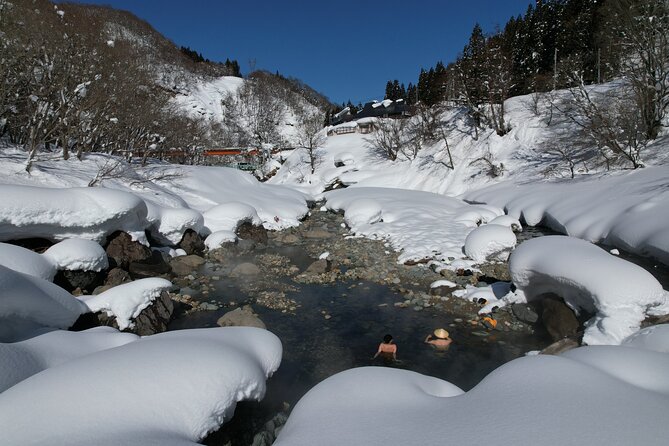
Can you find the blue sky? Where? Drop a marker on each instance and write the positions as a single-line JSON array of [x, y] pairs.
[[344, 49]]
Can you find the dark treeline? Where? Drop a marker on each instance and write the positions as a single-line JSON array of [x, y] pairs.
[[525, 49]]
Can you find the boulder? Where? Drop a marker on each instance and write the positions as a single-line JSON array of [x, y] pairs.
[[241, 317], [243, 246], [155, 265], [559, 320], [192, 243], [84, 280], [184, 265], [247, 231], [525, 313], [153, 319], [320, 266], [290, 239], [123, 250], [245, 269], [117, 276]]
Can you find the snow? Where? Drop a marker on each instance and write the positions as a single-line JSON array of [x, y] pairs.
[[58, 214], [217, 239], [168, 225], [169, 389], [589, 279], [127, 301], [444, 283], [26, 261], [28, 304], [506, 220], [591, 395], [654, 338], [228, 217], [421, 225], [23, 359], [628, 211], [490, 243], [203, 100], [78, 254]]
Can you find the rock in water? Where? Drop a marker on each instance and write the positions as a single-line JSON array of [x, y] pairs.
[[525, 313], [184, 265], [192, 243], [123, 250], [155, 265], [560, 346], [320, 266], [153, 319], [241, 317], [246, 269]]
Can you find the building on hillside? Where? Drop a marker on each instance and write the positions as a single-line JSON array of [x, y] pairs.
[[341, 117], [375, 109]]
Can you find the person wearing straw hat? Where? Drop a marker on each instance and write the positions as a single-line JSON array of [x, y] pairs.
[[440, 340]]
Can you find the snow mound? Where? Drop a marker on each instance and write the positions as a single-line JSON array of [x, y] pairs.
[[228, 216], [168, 225], [490, 242], [26, 261], [126, 301], [216, 239], [590, 279], [362, 212], [507, 220], [58, 214], [344, 158], [168, 389], [22, 359], [421, 225], [78, 254], [598, 396], [29, 304], [654, 338]]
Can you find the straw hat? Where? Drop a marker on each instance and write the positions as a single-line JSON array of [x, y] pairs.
[[441, 333]]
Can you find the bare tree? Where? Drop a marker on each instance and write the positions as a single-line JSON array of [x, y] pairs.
[[389, 137], [310, 135]]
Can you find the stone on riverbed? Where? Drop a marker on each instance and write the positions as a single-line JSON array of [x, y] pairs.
[[317, 233], [525, 313], [246, 269], [241, 317], [247, 231], [320, 266], [559, 319], [192, 243], [184, 265]]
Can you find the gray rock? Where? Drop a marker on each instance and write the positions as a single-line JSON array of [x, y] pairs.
[[560, 346], [243, 246], [291, 239], [241, 317], [155, 265], [192, 243], [117, 276], [317, 233], [84, 280], [246, 269], [320, 266], [559, 320], [247, 231], [206, 306], [184, 265], [525, 313], [123, 250]]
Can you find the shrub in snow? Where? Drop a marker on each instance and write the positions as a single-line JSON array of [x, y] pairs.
[[26, 261], [57, 214], [507, 220], [217, 239], [490, 242], [588, 278], [77, 254], [599, 396], [228, 216], [169, 389], [126, 301], [28, 304], [362, 212]]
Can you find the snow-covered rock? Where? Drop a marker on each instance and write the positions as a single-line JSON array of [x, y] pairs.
[[127, 301], [228, 216], [26, 261], [507, 220], [490, 242], [594, 395], [29, 304], [77, 254], [168, 225], [58, 214], [168, 389], [217, 239], [619, 293], [362, 212]]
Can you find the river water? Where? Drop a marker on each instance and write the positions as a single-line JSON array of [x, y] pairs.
[[338, 325]]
